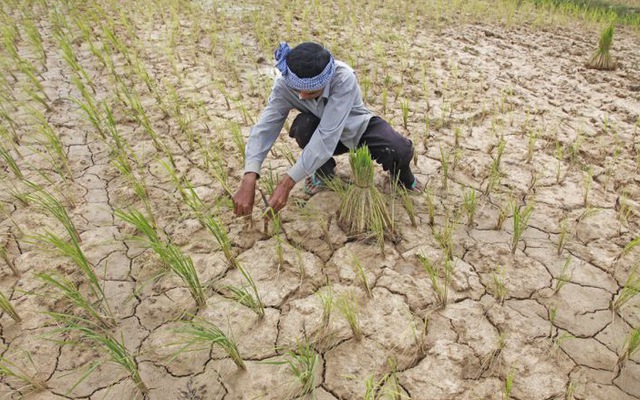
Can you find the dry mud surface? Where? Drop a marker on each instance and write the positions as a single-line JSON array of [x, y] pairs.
[[475, 82]]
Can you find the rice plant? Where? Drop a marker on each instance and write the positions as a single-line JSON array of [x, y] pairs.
[[105, 342], [72, 293], [404, 104], [431, 205], [531, 145], [565, 276], [630, 289], [182, 265], [508, 384], [303, 362], [361, 276], [521, 215], [630, 246], [11, 162], [440, 277], [5, 257], [559, 157], [55, 208], [564, 228], [19, 374], [170, 255], [444, 236], [238, 140], [73, 251], [587, 181], [247, 297], [347, 304], [470, 205], [202, 334], [326, 299], [499, 284], [142, 224], [363, 206], [629, 349], [445, 160], [552, 314], [601, 58], [7, 308], [492, 360]]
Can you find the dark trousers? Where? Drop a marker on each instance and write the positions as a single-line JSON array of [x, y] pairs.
[[388, 148]]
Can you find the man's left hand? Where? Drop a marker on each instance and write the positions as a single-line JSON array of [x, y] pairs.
[[281, 194]]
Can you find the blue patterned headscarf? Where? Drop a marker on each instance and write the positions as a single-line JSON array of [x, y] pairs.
[[303, 84]]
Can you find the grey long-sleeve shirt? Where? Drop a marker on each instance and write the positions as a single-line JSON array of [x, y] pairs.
[[343, 117]]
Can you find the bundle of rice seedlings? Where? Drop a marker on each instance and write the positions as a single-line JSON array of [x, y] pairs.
[[601, 59], [363, 207]]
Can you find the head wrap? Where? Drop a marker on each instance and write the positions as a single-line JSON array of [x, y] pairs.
[[302, 84]]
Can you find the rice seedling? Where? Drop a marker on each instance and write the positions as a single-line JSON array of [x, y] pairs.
[[491, 361], [347, 304], [630, 246], [13, 371], [570, 391], [630, 289], [5, 257], [361, 275], [559, 156], [564, 228], [302, 361], [202, 334], [439, 284], [385, 96], [326, 299], [247, 297], [182, 265], [625, 209], [499, 283], [55, 208], [444, 236], [430, 205], [142, 224], [470, 205], [73, 251], [72, 293], [404, 105], [565, 276], [552, 314], [508, 384], [363, 207], [521, 215], [11, 162], [601, 58], [54, 147], [105, 342], [629, 349], [7, 308], [531, 145], [445, 158]]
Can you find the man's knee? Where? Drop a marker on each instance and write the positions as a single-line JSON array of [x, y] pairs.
[[303, 127]]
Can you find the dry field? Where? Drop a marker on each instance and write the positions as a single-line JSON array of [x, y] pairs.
[[125, 275]]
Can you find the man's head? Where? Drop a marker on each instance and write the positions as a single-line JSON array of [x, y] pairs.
[[307, 68], [308, 59]]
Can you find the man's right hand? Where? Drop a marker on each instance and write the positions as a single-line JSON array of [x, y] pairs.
[[245, 196]]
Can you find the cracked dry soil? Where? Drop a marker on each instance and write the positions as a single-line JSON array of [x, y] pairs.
[[476, 82]]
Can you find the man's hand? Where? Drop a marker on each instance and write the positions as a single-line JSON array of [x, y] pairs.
[[281, 194], [245, 196]]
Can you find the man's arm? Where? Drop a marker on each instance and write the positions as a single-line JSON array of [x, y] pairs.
[[263, 134]]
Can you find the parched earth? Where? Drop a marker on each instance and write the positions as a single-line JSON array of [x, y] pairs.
[[470, 78]]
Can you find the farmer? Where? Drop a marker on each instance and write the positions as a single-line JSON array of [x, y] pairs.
[[332, 120]]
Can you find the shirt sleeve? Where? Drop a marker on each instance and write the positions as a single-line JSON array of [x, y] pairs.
[[325, 139], [265, 132]]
